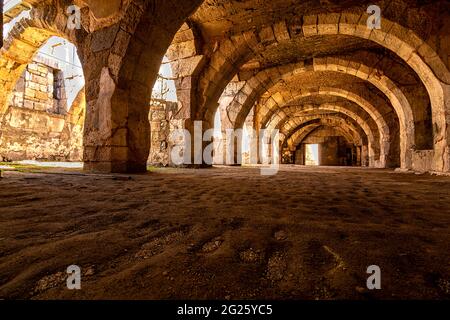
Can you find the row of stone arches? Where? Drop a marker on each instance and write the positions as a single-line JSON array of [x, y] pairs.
[[121, 54], [236, 51]]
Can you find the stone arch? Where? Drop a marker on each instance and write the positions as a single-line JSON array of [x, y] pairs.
[[302, 133], [390, 90], [223, 66], [295, 123], [351, 130], [245, 99], [385, 138], [295, 148], [121, 72], [311, 113], [186, 60], [376, 154], [382, 114], [403, 41], [417, 54], [368, 107], [26, 37], [117, 134]]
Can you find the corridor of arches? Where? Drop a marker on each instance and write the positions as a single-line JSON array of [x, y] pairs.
[[177, 108]]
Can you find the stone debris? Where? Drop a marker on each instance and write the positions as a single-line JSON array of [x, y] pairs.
[[252, 256], [50, 281]]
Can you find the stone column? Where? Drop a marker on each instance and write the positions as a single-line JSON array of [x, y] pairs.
[[232, 146], [117, 129], [254, 147], [300, 155], [364, 156], [265, 148], [117, 132], [358, 156]]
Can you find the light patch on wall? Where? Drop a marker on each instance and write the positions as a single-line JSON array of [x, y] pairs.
[[8, 26], [164, 87], [8, 4], [312, 155], [246, 140], [217, 125], [64, 55]]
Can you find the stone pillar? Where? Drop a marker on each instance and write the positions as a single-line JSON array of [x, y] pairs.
[[300, 155], [442, 133], [364, 156], [232, 146], [254, 147], [358, 156], [265, 148], [162, 125], [117, 131]]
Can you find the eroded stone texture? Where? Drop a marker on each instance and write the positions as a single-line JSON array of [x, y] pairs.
[[29, 134], [33, 134]]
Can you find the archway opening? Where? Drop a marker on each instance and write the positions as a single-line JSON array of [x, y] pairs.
[[45, 111], [163, 106]]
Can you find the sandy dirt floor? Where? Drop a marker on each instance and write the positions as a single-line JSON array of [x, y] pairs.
[[225, 233]]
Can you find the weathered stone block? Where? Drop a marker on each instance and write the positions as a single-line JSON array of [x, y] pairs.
[[104, 38]]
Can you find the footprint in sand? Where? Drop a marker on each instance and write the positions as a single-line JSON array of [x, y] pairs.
[[212, 245], [157, 245]]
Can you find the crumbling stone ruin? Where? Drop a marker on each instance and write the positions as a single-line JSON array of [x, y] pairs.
[[314, 70]]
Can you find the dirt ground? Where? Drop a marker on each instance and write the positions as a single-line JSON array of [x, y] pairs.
[[225, 233]]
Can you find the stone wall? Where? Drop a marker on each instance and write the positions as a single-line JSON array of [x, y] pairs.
[[422, 160], [37, 124], [37, 135], [40, 88], [250, 141]]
